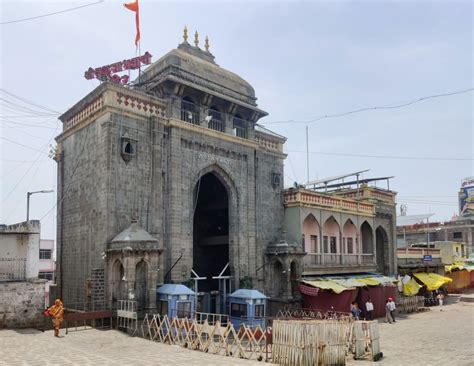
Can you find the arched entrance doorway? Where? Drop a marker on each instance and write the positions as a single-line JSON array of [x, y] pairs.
[[279, 280], [141, 274], [118, 282], [210, 237], [381, 245]]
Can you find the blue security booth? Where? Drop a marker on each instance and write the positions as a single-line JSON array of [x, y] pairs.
[[247, 307], [175, 300]]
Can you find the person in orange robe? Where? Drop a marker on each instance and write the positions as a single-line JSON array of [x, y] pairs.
[[57, 313]]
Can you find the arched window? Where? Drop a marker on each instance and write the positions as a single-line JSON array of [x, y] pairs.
[[240, 127], [331, 244], [367, 243], [215, 122], [311, 241], [189, 111], [128, 148]]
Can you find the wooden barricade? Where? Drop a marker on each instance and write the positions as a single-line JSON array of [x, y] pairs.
[[410, 304], [309, 342], [248, 343], [366, 340]]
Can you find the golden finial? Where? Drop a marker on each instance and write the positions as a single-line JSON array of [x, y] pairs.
[[185, 34], [196, 39], [206, 44]]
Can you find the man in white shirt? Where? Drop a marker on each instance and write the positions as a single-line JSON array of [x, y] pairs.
[[392, 308], [369, 309]]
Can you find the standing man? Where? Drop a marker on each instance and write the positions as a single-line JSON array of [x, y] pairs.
[[392, 308], [369, 309], [388, 316]]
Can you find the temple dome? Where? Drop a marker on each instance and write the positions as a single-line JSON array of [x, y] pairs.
[[196, 68]]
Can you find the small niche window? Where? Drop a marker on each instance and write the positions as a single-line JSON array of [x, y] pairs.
[[276, 180], [128, 148]]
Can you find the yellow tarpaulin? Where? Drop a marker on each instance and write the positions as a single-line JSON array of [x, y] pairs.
[[327, 285], [411, 288], [368, 281], [432, 281], [459, 266]]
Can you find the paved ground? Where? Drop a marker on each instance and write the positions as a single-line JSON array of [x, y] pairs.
[[96, 347], [429, 338]]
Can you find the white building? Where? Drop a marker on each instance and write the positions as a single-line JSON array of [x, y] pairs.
[[19, 248]]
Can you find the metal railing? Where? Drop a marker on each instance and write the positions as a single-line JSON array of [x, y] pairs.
[[210, 318], [312, 259], [367, 258], [350, 259], [12, 269], [240, 128], [216, 123], [190, 112], [317, 259]]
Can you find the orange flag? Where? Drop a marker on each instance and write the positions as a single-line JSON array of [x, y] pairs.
[[133, 6]]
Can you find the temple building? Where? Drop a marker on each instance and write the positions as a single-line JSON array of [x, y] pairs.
[[168, 180]]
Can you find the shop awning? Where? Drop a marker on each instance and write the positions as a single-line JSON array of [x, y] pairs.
[[327, 285], [459, 266], [411, 287], [432, 281], [340, 284]]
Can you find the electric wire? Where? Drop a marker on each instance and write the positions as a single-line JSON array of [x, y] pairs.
[[384, 156], [50, 14], [25, 146], [28, 170], [336, 115], [28, 101]]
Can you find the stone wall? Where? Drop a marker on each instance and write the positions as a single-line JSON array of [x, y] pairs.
[[21, 304]]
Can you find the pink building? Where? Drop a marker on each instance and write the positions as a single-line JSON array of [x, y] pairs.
[[47, 265]]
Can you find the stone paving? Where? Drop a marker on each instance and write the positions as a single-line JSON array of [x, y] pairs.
[[428, 338], [98, 347]]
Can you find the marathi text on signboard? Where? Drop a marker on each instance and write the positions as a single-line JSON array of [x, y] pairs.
[[109, 72]]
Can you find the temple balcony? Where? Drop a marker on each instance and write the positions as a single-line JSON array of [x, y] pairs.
[[306, 198], [369, 194]]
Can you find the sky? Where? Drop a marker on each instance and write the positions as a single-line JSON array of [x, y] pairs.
[[305, 59]]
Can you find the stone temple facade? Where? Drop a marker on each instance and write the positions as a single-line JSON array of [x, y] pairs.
[[170, 180]]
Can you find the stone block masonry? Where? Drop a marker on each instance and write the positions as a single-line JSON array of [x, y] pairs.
[[21, 304]]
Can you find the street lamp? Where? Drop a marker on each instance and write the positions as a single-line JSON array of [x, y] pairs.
[[28, 194]]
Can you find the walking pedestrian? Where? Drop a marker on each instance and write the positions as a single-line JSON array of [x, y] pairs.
[[440, 298], [57, 313], [392, 308], [388, 316], [369, 309]]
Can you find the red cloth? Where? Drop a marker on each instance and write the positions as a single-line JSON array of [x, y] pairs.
[[327, 300], [308, 290], [378, 295]]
